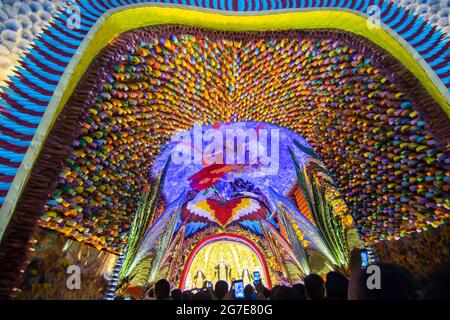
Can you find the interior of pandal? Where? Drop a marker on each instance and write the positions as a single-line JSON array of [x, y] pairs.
[[133, 182]]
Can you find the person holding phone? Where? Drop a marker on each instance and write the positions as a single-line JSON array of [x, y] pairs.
[[238, 289], [256, 278], [364, 259], [355, 266], [208, 289]]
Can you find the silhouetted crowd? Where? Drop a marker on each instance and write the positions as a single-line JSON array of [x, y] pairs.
[[394, 283]]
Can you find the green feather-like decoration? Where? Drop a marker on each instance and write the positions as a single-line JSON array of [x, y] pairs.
[[329, 225], [145, 211]]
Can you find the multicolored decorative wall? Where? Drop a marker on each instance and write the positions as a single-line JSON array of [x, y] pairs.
[[85, 115], [48, 272], [422, 253]]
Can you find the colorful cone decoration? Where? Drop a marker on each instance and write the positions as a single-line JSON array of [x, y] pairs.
[[333, 88]]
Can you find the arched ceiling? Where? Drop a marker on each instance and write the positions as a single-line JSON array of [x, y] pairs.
[[415, 37], [346, 97], [77, 154]]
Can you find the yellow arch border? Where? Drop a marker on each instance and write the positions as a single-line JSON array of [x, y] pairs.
[[119, 20]]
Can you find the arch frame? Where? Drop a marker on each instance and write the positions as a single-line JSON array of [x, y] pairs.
[[227, 236]]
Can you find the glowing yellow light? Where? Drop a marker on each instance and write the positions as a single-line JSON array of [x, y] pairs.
[[224, 255]]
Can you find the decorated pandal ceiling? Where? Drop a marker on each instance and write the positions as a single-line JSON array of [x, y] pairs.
[[331, 87], [361, 145]]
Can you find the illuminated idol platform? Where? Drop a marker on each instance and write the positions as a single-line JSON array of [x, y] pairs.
[[225, 257], [151, 141]]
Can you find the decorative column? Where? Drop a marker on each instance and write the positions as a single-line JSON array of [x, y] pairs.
[[113, 283]]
